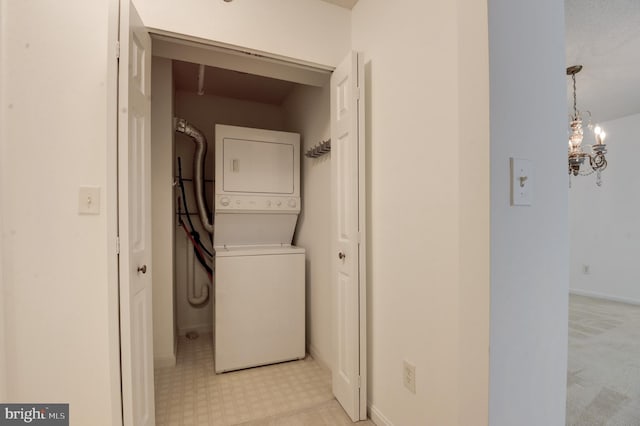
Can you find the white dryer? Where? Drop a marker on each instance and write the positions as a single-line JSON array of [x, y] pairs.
[[260, 280]]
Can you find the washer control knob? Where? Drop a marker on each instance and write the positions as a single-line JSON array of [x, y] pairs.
[[279, 203], [292, 202], [225, 201], [268, 203]]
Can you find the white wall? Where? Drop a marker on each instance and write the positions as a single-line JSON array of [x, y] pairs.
[[605, 230], [309, 30], [307, 113], [164, 337], [416, 56], [529, 245], [58, 266], [205, 112]]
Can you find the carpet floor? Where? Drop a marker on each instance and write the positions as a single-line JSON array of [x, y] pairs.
[[603, 378]]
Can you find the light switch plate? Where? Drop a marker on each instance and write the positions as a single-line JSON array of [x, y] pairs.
[[89, 200], [521, 182]]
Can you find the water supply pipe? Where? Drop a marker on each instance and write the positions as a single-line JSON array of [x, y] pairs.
[[183, 126]]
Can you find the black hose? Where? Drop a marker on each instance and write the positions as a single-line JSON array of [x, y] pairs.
[[201, 260], [184, 197], [196, 235]]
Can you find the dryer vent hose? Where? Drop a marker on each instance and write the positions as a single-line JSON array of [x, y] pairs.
[[183, 126]]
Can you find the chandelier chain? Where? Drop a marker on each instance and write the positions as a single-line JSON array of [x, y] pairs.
[[575, 103]]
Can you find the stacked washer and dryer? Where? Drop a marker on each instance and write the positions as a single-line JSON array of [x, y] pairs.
[[259, 297]]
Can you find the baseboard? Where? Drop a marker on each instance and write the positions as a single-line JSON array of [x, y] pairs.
[[604, 296], [377, 417], [200, 329], [315, 354], [164, 361]]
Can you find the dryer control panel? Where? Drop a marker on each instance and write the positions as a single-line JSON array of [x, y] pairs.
[[256, 203]]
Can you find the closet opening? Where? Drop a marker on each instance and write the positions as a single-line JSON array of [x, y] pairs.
[[271, 225]]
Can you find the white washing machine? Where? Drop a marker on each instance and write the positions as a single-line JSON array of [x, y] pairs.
[[260, 306], [259, 309]]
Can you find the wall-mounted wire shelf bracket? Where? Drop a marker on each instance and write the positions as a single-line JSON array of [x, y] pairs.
[[319, 150]]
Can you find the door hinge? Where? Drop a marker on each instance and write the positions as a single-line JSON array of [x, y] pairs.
[[117, 49], [117, 245], [359, 237], [358, 91], [359, 382]]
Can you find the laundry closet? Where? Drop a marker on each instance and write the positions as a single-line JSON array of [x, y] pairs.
[[260, 285]]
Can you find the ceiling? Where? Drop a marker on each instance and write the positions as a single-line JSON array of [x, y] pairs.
[[604, 37], [231, 84]]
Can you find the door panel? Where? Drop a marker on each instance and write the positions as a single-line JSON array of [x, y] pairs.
[[134, 216], [347, 176]]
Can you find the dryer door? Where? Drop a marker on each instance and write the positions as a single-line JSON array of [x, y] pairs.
[[256, 161], [257, 167]]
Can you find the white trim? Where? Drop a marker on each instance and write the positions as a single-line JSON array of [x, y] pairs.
[[377, 417], [159, 34], [603, 296], [111, 212], [238, 59], [362, 234]]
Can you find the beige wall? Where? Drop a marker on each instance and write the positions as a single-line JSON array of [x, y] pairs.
[[474, 193], [428, 185], [309, 30], [3, 364], [307, 112], [60, 295], [164, 336], [413, 191], [58, 266]]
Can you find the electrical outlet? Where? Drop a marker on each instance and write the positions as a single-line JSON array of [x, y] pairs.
[[586, 269], [409, 376]]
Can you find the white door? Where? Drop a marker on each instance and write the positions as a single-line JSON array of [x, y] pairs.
[[348, 179], [134, 215]]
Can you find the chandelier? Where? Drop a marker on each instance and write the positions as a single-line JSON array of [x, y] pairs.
[[577, 157]]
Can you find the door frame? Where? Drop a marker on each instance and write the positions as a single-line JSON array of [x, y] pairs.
[[112, 213], [301, 71]]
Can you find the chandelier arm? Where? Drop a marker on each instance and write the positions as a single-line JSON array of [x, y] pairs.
[[598, 162]]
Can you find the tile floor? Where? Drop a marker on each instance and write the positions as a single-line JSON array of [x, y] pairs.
[[293, 393]]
